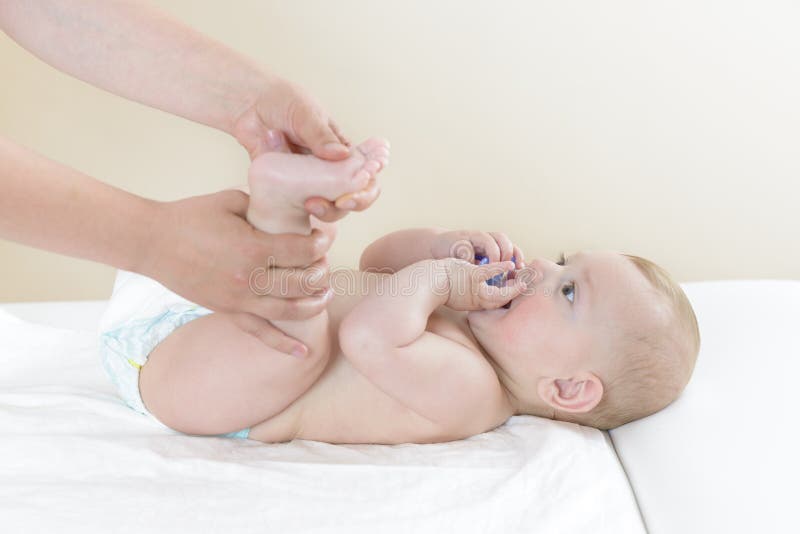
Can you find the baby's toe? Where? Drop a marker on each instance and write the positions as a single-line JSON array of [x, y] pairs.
[[361, 177], [372, 166], [373, 143], [380, 152], [381, 155]]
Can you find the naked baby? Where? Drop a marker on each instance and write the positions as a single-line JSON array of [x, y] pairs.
[[415, 346]]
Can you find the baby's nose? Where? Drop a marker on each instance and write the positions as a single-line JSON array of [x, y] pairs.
[[534, 271], [542, 266]]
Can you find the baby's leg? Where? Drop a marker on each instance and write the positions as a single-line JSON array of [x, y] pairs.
[[212, 375], [279, 185]]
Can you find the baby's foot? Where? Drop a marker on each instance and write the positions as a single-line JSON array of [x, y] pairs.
[[280, 183]]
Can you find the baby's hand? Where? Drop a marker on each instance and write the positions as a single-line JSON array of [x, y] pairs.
[[469, 290], [466, 244]]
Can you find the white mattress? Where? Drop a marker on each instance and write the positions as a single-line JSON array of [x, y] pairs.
[[724, 457], [73, 458]]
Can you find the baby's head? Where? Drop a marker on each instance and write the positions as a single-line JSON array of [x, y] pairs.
[[600, 339]]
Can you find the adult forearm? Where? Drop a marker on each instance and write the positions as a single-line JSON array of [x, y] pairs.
[[47, 205], [139, 52]]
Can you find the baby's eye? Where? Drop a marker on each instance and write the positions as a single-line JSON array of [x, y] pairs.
[[568, 290]]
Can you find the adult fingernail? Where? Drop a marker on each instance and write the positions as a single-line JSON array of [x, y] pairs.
[[300, 351], [350, 204], [319, 291], [326, 296], [335, 147]]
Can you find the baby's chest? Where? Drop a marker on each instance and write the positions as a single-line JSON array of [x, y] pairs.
[[346, 407]]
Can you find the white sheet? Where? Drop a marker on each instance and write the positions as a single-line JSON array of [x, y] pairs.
[[724, 457], [73, 458]]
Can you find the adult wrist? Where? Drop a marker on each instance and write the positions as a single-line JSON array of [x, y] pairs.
[[142, 243], [244, 101]]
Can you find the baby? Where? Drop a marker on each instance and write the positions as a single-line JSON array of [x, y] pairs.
[[416, 346]]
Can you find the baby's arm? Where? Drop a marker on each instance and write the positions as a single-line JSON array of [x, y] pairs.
[[385, 338], [399, 249]]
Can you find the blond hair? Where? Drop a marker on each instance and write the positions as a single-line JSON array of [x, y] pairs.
[[654, 364]]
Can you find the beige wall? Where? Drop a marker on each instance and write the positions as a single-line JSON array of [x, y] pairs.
[[670, 130]]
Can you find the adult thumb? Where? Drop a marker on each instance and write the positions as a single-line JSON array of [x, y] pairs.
[[318, 135], [276, 141]]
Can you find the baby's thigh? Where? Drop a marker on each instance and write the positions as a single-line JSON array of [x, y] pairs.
[[211, 377]]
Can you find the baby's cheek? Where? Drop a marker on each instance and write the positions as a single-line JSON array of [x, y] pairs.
[[503, 339], [526, 318], [531, 332], [518, 336]]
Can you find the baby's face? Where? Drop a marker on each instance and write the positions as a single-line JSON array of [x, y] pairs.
[[565, 322]]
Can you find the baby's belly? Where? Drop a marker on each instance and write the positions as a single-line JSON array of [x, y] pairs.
[[345, 407]]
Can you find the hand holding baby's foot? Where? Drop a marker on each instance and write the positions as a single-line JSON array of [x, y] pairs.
[[281, 183]]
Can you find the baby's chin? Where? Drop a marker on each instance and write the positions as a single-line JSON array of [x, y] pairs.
[[482, 322], [490, 315], [484, 327]]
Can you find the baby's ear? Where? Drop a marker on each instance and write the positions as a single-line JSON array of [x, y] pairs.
[[579, 394]]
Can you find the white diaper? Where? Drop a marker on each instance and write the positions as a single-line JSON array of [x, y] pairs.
[[141, 313]]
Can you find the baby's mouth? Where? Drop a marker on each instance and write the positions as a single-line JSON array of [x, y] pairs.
[[509, 276], [501, 280]]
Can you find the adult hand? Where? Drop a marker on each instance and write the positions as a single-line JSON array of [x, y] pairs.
[[205, 250], [323, 209], [288, 108]]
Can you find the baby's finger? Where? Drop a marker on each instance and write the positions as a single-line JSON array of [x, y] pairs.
[[519, 258], [485, 245], [504, 244], [494, 297], [490, 270]]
